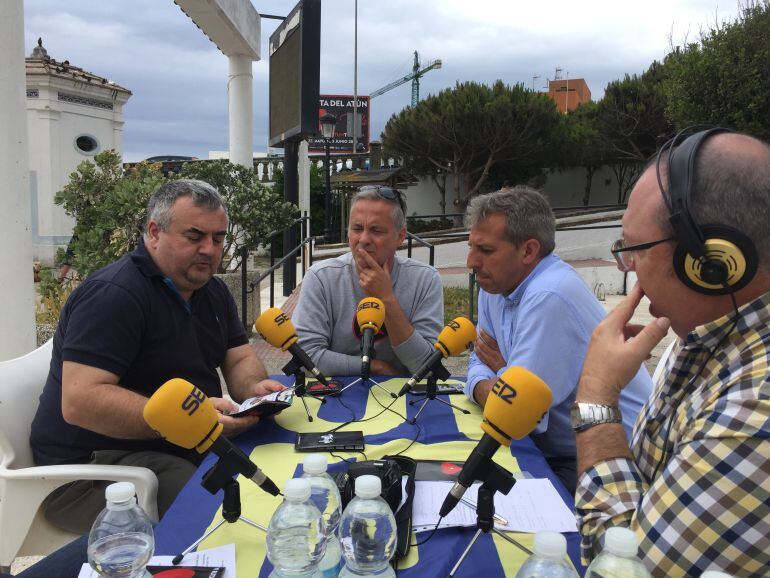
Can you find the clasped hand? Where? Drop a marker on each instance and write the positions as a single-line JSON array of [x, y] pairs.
[[488, 351]]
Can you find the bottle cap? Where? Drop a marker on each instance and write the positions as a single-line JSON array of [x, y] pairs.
[[714, 574], [120, 492], [550, 545], [621, 542], [315, 464], [297, 490], [368, 486]]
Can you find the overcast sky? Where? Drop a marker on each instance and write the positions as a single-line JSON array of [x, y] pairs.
[[178, 77]]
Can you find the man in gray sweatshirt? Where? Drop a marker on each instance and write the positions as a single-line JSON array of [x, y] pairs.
[[410, 290]]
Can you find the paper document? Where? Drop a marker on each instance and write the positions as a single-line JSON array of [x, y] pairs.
[[220, 556], [531, 505]]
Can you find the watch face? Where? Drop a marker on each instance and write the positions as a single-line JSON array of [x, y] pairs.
[[574, 415]]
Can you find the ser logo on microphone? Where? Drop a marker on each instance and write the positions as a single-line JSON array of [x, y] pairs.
[[368, 305], [193, 401], [504, 391], [455, 326], [281, 319]]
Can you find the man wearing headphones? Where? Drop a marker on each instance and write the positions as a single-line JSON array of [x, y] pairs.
[[695, 482]]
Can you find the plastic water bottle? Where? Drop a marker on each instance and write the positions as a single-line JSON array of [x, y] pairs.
[[121, 541], [326, 497], [549, 558], [295, 535], [618, 559], [367, 532]]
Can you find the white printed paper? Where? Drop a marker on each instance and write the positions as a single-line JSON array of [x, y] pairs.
[[220, 556], [532, 505]]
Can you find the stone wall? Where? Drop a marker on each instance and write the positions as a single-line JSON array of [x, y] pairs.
[[253, 308]]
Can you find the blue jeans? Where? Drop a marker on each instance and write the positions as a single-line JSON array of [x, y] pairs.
[[64, 563]]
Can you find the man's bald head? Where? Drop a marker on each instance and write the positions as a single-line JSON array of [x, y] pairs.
[[731, 186]]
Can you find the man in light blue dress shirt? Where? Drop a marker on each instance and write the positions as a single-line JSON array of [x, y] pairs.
[[536, 312]]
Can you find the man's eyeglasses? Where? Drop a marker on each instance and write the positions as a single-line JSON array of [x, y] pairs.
[[387, 193], [625, 257]]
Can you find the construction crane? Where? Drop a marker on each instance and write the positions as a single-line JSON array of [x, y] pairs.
[[415, 75]]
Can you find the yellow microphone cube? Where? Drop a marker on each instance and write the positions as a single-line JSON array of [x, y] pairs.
[[370, 313], [276, 328], [183, 415], [456, 337], [518, 402]]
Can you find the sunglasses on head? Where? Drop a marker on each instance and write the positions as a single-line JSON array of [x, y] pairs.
[[387, 193]]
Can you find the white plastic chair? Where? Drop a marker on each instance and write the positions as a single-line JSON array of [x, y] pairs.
[[23, 486]]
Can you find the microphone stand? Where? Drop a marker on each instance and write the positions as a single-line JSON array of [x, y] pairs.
[[365, 368], [220, 477], [440, 372], [294, 367], [495, 479]]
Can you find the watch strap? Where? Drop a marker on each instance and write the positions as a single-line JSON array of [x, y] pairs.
[[586, 415]]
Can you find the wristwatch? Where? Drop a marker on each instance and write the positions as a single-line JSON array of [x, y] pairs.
[[586, 415]]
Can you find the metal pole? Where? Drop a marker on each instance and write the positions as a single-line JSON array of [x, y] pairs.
[[355, 78], [290, 194], [471, 295], [566, 98], [328, 198], [272, 273], [305, 222], [244, 280]]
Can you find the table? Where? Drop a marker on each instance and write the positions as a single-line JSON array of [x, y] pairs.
[[443, 433]]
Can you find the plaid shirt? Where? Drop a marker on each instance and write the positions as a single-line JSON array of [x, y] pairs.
[[697, 492]]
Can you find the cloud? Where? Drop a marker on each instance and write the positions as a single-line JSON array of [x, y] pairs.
[[179, 78]]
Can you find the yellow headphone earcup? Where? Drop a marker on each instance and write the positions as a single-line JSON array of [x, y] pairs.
[[719, 252]]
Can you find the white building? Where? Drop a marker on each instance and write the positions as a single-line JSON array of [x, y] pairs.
[[72, 115]]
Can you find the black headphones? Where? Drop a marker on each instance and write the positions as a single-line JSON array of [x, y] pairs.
[[712, 259]]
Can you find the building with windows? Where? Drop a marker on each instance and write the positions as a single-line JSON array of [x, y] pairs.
[[72, 115]]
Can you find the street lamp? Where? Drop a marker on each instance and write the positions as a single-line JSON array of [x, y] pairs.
[[328, 123]]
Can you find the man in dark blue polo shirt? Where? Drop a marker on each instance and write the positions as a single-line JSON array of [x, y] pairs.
[[155, 314]]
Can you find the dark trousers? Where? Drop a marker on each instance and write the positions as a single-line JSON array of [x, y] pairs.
[[565, 469], [74, 507]]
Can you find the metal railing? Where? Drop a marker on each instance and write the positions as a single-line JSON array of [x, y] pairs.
[[431, 249], [472, 285], [307, 260], [472, 297], [307, 256]]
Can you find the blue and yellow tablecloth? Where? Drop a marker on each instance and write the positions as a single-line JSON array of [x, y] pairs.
[[443, 434]]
